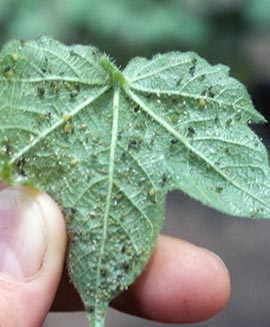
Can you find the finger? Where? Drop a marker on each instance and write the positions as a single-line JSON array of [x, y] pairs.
[[182, 283], [32, 247]]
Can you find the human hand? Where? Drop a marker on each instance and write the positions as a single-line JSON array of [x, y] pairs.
[[181, 282]]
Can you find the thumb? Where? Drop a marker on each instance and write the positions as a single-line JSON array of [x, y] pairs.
[[32, 249]]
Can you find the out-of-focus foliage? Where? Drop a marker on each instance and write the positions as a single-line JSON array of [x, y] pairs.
[[219, 30], [258, 12], [5, 8], [141, 22]]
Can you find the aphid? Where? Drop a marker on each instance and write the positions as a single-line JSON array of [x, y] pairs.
[[31, 139], [175, 99], [66, 117], [211, 92], [253, 213], [152, 195], [57, 87], [136, 109], [219, 189], [202, 77], [67, 85], [7, 147], [229, 122], [124, 155], [20, 165], [103, 272], [72, 53], [141, 180], [92, 214], [14, 57], [192, 70], [123, 249], [194, 61], [52, 84], [132, 143], [204, 92], [202, 103], [67, 127], [152, 192], [70, 212], [78, 87], [125, 266], [84, 126], [174, 141], [164, 179], [175, 118], [191, 130], [74, 161], [178, 82], [73, 94], [41, 90], [44, 70], [8, 71], [238, 115], [73, 210]]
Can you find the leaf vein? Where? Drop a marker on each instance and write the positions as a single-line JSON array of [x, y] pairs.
[[198, 154], [59, 123], [110, 185]]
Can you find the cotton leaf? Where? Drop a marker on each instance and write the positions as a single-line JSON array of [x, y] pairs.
[[108, 145]]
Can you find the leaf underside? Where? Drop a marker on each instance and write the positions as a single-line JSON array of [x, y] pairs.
[[108, 145]]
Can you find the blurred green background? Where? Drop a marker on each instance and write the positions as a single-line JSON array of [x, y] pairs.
[[232, 32]]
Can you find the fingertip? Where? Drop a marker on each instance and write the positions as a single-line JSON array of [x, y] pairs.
[[182, 283], [31, 295], [56, 233]]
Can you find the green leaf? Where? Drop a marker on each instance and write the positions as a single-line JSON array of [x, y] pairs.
[[108, 145]]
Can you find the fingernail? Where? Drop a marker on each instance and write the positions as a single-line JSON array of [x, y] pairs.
[[22, 235], [217, 259]]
